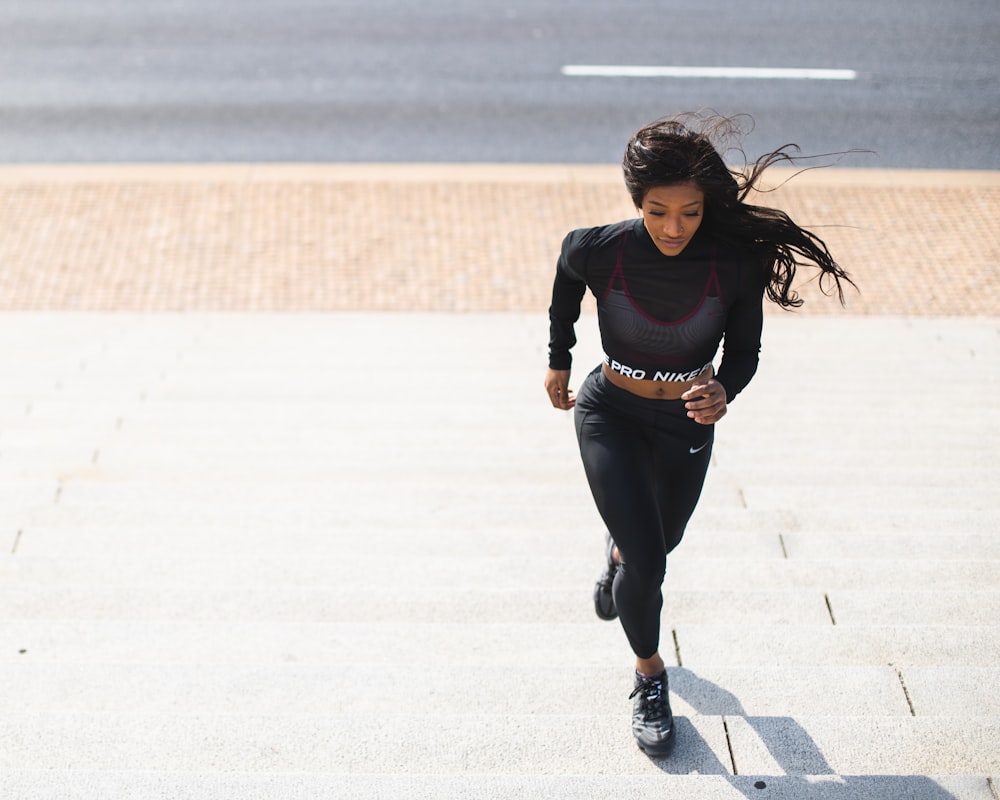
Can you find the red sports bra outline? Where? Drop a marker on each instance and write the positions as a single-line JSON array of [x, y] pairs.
[[643, 352], [619, 272]]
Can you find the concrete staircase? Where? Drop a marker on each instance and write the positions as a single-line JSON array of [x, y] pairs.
[[314, 556]]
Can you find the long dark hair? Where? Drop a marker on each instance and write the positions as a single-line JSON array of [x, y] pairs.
[[682, 149]]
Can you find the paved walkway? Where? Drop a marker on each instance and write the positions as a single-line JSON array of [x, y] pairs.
[[261, 554], [437, 238]]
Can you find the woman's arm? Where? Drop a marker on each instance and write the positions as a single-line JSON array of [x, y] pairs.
[[741, 343], [567, 294]]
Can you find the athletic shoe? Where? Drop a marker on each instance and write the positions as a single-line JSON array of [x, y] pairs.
[[652, 720], [604, 603]]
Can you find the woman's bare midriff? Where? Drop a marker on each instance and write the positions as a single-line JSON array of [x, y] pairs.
[[654, 390]]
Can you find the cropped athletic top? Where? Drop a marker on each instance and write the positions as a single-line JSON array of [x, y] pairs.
[[661, 317]]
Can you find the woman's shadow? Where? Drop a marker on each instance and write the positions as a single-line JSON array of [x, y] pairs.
[[805, 772]]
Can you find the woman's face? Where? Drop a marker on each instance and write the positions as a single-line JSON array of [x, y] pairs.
[[672, 214]]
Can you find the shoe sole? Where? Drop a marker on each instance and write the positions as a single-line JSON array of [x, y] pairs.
[[662, 750], [597, 607], [607, 616]]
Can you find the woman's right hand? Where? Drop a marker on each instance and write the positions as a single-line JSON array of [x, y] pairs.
[[557, 388]]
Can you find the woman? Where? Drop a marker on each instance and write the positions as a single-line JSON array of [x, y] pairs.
[[691, 272]]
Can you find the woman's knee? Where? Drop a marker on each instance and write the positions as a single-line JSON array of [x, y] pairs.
[[644, 576]]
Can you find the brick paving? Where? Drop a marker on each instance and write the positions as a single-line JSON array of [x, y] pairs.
[[440, 237]]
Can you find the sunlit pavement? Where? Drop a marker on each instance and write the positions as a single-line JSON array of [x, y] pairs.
[[262, 542]]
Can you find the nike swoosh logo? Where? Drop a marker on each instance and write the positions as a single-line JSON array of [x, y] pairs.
[[693, 450]]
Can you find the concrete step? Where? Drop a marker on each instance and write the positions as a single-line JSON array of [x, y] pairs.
[[84, 501], [896, 546], [889, 642], [444, 568], [489, 604], [462, 457], [500, 745], [410, 604], [255, 540], [360, 687], [368, 686], [194, 785], [712, 533], [523, 643]]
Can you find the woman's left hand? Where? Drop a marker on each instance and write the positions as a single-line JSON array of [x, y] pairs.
[[706, 402]]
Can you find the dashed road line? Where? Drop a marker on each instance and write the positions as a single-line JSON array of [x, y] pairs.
[[740, 73]]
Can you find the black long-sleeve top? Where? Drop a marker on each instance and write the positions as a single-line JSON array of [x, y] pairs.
[[661, 317]]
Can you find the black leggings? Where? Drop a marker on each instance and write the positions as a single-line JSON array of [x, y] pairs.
[[646, 462]]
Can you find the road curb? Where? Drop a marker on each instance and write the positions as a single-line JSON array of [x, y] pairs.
[[602, 174]]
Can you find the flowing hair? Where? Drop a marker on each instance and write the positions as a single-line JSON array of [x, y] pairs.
[[681, 149]]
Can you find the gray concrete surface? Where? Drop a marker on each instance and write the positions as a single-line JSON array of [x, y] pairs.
[[188, 608]]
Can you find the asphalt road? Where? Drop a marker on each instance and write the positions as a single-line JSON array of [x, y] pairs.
[[482, 81]]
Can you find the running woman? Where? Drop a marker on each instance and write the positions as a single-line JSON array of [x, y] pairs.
[[690, 273]]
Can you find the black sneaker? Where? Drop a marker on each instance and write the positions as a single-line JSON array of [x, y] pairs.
[[604, 603], [652, 720]]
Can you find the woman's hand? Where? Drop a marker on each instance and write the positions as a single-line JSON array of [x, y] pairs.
[[557, 388], [706, 402]]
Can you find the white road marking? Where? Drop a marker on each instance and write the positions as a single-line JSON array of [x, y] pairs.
[[599, 71]]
